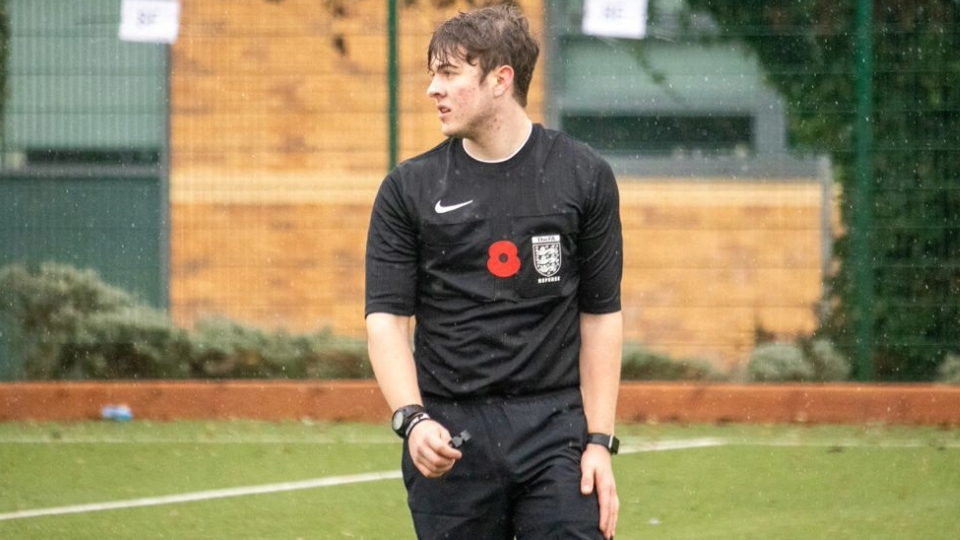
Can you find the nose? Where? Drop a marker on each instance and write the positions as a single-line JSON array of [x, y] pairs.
[[433, 89]]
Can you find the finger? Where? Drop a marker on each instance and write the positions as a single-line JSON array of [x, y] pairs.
[[614, 517], [448, 452], [433, 467], [608, 523], [586, 481], [436, 461], [443, 451], [609, 509], [604, 500]]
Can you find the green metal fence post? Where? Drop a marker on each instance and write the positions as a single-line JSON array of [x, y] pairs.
[[393, 78], [861, 233]]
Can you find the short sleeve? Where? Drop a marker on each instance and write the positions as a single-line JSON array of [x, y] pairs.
[[601, 245], [391, 254]]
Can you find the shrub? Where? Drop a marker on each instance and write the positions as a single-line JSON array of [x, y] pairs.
[[135, 342], [224, 348], [227, 349], [72, 325], [949, 370], [779, 362], [828, 363], [640, 363], [341, 359]]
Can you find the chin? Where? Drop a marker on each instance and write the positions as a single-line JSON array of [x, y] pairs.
[[450, 132], [457, 131]]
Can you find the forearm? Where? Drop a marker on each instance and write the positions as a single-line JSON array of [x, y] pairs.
[[601, 352], [388, 345]]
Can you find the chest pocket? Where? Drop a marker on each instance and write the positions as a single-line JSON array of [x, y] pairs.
[[452, 260]]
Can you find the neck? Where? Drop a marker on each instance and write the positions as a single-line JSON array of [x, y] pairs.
[[504, 138]]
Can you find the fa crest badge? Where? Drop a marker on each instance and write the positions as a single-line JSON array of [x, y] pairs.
[[546, 254]]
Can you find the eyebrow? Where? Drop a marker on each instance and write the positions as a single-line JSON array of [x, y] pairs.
[[441, 66]]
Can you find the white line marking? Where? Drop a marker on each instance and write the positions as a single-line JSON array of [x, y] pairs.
[[630, 448], [292, 486], [172, 440], [204, 495], [661, 446]]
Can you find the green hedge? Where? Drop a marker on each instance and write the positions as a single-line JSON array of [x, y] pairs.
[[950, 370], [71, 325], [641, 363], [814, 360]]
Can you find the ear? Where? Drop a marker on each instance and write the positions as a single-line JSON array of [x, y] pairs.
[[503, 80]]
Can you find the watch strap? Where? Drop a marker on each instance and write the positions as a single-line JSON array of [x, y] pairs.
[[415, 419], [406, 417], [610, 442]]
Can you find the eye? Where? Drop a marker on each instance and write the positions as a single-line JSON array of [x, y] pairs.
[[444, 70]]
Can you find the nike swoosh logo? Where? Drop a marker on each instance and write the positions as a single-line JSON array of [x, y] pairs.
[[441, 209]]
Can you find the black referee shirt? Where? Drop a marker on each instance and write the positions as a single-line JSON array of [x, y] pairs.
[[496, 261]]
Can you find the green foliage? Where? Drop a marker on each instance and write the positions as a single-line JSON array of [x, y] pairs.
[[58, 310], [778, 362], [640, 363], [814, 360], [828, 363], [72, 325], [133, 342], [807, 50], [225, 348], [950, 369]]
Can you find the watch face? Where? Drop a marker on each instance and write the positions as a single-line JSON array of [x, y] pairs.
[[398, 420]]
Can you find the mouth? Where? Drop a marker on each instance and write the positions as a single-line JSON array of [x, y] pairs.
[[441, 110]]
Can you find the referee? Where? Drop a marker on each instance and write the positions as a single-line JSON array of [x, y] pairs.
[[504, 244]]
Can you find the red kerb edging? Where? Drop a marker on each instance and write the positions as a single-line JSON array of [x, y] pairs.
[[361, 401]]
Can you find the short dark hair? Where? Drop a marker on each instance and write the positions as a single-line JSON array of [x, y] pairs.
[[489, 37]]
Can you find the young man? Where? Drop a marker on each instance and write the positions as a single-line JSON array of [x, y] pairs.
[[504, 243]]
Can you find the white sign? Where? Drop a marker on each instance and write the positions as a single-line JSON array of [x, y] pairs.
[[615, 18], [152, 21]]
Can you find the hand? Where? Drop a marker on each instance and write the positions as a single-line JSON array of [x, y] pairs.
[[597, 475], [430, 450]]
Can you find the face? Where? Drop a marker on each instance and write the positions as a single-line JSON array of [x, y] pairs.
[[464, 100]]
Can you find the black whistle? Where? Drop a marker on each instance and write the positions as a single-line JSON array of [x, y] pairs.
[[458, 441]]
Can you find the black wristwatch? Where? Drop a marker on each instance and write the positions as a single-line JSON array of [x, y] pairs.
[[406, 417], [609, 442]]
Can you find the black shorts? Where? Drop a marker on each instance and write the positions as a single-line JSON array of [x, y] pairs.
[[519, 476]]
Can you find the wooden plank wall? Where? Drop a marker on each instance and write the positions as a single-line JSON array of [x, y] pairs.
[[706, 262], [279, 143], [300, 86], [709, 262]]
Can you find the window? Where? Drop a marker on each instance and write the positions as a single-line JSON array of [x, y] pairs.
[[669, 94], [78, 95]]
